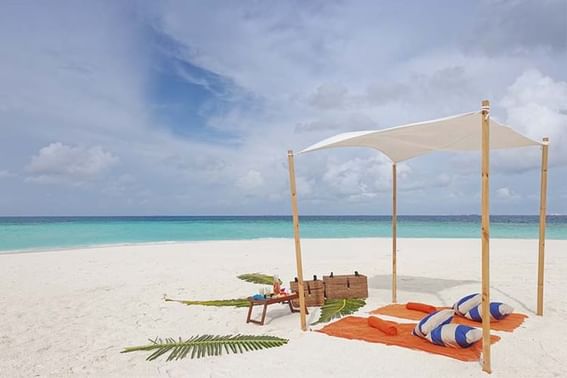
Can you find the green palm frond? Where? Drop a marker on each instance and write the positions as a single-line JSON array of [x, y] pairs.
[[240, 302], [258, 278], [206, 345], [336, 308]]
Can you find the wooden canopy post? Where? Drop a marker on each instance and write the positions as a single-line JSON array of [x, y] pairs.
[[299, 263], [542, 219], [485, 232], [394, 236]]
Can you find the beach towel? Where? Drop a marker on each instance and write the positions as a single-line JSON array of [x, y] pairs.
[[357, 328], [508, 324]]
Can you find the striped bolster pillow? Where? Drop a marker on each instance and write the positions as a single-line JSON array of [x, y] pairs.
[[497, 311], [432, 321], [455, 335], [465, 304]]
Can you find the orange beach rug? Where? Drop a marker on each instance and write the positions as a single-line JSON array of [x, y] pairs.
[[357, 328], [508, 324]]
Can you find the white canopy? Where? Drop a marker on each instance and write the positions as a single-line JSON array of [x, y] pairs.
[[464, 132], [456, 133]]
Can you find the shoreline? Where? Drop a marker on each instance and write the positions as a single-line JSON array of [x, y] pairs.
[[176, 242]]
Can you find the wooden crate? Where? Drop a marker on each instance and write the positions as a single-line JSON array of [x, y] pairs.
[[346, 286], [314, 293]]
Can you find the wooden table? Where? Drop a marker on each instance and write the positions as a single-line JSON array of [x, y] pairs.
[[268, 301]]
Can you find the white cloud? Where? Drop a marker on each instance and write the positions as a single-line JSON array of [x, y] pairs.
[[359, 176], [532, 87], [506, 193], [537, 105], [60, 162]]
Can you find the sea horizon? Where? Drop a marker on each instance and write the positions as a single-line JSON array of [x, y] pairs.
[[39, 233], [270, 215]]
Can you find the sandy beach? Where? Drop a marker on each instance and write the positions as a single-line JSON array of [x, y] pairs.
[[71, 312]]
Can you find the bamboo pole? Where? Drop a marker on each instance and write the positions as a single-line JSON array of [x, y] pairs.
[[485, 230], [542, 219], [298, 261], [394, 235]]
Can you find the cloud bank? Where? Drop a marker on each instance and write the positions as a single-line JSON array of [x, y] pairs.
[[189, 108]]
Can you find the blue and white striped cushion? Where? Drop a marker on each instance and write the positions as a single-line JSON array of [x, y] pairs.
[[455, 335], [465, 304], [497, 311], [432, 321]]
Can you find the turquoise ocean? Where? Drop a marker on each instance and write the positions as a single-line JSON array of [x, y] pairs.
[[45, 233]]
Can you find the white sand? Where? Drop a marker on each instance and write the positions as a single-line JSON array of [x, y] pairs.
[[71, 312]]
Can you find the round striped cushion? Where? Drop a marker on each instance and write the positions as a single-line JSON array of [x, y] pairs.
[[432, 321], [455, 335], [497, 311], [465, 304]]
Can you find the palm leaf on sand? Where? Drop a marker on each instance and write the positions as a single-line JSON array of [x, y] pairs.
[[336, 308], [258, 278], [206, 345], [240, 302]]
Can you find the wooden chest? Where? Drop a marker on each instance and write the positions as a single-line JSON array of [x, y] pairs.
[[314, 293], [346, 286]]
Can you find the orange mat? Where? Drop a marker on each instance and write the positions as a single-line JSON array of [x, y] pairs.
[[353, 327], [508, 324]]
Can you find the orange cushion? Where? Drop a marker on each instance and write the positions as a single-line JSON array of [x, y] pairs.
[[385, 326], [420, 307]]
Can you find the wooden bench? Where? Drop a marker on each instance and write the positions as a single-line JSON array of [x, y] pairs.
[[268, 301]]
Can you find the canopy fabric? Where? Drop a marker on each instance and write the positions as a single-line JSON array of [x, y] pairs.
[[456, 133]]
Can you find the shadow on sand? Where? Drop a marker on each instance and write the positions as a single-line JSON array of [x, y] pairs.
[[418, 284], [434, 286]]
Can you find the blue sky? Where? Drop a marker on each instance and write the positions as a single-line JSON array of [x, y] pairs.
[[189, 107]]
